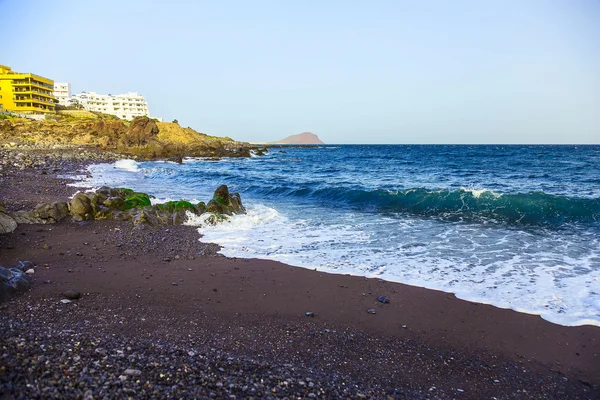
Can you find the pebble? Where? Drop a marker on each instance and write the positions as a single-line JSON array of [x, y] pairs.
[[30, 271], [371, 311], [383, 299], [72, 295], [309, 314], [65, 301], [132, 372], [174, 283]]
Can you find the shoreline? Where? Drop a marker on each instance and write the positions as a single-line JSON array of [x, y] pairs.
[[257, 307]]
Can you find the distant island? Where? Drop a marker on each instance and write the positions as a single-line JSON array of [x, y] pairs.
[[301, 138]]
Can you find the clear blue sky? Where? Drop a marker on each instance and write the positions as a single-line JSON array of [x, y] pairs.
[[505, 71]]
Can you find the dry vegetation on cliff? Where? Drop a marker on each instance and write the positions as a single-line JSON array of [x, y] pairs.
[[143, 137]]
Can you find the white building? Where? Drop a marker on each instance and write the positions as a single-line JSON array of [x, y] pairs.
[[62, 92], [126, 106]]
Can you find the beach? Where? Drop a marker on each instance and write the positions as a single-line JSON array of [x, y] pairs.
[[190, 322]]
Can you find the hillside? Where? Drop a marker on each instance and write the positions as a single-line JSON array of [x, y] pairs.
[[301, 138], [142, 137]]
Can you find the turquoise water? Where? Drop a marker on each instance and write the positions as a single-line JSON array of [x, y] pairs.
[[513, 226]]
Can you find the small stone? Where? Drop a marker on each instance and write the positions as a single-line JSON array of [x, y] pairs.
[[189, 269], [72, 295], [45, 247], [65, 301], [383, 299], [309, 314], [177, 257], [132, 372], [404, 326], [78, 254], [174, 283], [166, 259], [371, 311], [30, 271]]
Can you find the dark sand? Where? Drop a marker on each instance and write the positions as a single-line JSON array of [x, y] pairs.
[[161, 285]]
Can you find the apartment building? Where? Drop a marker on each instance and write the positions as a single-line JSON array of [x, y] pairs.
[[126, 106], [62, 92], [25, 93]]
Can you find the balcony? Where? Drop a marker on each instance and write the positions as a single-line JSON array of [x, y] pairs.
[[31, 82], [33, 100], [29, 90]]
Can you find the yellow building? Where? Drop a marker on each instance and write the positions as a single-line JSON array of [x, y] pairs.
[[25, 93]]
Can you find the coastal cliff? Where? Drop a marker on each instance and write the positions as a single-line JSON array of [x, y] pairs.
[[142, 137]]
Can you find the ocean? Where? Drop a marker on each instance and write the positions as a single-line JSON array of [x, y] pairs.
[[513, 226]]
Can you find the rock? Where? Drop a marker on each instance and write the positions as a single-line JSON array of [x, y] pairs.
[[115, 203], [5, 274], [30, 271], [144, 217], [224, 203], [44, 213], [12, 281], [309, 314], [216, 207], [236, 204], [80, 207], [132, 372], [215, 219], [65, 301], [383, 299], [371, 311], [71, 295], [7, 223]]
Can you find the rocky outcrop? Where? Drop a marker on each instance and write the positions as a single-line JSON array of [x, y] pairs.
[[7, 223], [225, 203], [143, 137], [125, 205], [43, 214]]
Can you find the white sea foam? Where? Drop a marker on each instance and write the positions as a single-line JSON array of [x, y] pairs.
[[539, 277], [128, 165], [478, 192]]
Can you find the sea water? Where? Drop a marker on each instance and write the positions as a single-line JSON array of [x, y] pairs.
[[513, 226]]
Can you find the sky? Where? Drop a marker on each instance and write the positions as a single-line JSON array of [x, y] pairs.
[[494, 71]]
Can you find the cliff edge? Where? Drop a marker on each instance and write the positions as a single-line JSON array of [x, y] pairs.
[[142, 137]]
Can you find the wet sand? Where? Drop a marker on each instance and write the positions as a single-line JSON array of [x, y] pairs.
[[162, 285]]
